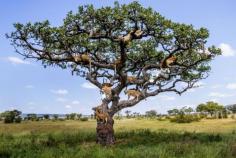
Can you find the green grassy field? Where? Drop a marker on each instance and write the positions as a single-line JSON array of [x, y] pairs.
[[134, 138]]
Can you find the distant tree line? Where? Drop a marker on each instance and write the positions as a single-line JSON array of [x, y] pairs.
[[208, 110], [15, 116]]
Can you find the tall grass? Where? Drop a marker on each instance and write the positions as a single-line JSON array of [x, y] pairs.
[[134, 143]]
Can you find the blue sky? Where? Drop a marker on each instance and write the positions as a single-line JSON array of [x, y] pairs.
[[27, 86]]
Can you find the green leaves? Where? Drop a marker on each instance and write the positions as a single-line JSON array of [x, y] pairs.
[[100, 33]]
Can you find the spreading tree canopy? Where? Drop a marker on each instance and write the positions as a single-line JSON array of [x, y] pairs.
[[124, 47], [210, 107]]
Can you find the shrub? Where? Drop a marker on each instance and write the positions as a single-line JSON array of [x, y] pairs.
[[55, 117], [46, 116], [18, 119], [185, 118], [232, 116], [161, 118], [10, 116], [8, 119], [84, 119], [32, 117], [202, 115]]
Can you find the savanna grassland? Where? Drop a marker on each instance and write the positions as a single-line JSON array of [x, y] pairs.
[[215, 138]]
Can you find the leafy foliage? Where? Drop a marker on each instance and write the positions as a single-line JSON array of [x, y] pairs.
[[232, 108], [183, 115], [11, 116], [108, 35], [210, 107], [151, 113]]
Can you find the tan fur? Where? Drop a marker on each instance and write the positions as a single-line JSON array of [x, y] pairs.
[[127, 38], [167, 62], [107, 90], [82, 58], [131, 79], [138, 33], [100, 115], [133, 93]]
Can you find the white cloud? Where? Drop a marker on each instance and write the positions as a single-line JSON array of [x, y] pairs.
[[75, 102], [227, 50], [68, 106], [29, 86], [167, 98], [60, 91], [220, 95], [16, 60], [216, 86], [61, 99], [88, 85], [231, 86], [31, 103]]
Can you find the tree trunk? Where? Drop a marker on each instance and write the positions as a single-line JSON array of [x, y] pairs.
[[105, 132]]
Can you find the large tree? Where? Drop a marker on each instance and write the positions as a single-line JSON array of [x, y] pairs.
[[124, 48]]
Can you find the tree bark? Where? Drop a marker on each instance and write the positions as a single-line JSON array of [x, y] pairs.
[[105, 132]]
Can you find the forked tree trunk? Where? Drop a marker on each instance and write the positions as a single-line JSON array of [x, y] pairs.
[[105, 132]]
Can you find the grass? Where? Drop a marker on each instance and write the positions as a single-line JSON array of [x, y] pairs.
[[208, 125], [135, 138]]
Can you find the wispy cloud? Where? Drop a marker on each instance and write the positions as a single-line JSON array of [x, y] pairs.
[[227, 50], [61, 99], [88, 85], [16, 60], [75, 102], [60, 91], [220, 95], [216, 86], [29, 86], [31, 103], [231, 86], [68, 106]]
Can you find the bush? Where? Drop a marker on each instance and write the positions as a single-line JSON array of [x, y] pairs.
[[10, 116], [8, 119], [232, 116], [18, 119], [202, 115], [84, 119], [55, 117], [46, 117], [32, 117], [185, 118], [161, 118]]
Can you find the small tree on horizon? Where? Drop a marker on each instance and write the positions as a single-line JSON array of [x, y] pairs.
[[127, 112], [11, 116], [124, 48], [151, 113], [210, 107]]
